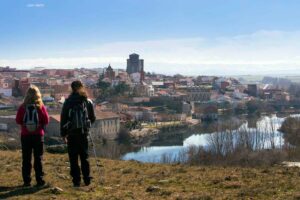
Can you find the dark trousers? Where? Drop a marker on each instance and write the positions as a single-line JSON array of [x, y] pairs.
[[78, 147], [35, 144]]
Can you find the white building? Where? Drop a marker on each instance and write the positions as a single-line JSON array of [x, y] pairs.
[[150, 91], [136, 77], [6, 92], [107, 125]]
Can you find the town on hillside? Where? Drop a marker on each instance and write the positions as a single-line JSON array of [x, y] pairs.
[[137, 99]]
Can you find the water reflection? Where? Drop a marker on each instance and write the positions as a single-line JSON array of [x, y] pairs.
[[223, 136]]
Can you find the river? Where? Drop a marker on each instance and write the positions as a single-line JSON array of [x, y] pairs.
[[268, 124]]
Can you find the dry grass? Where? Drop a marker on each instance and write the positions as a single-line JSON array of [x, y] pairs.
[[134, 180]]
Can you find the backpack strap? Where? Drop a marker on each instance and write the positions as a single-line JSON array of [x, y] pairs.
[[37, 115], [25, 114]]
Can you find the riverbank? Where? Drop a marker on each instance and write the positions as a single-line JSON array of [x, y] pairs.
[[143, 135], [217, 138], [146, 135], [134, 180]]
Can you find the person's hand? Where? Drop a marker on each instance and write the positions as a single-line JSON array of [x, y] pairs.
[[65, 139]]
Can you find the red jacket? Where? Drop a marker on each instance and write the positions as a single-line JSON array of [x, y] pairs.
[[43, 120]]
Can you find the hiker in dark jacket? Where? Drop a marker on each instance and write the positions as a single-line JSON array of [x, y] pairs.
[[76, 118]]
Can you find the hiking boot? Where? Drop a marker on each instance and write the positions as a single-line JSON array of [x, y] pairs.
[[76, 184], [87, 181], [26, 184], [40, 183]]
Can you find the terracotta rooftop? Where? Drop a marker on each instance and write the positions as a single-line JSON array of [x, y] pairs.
[[106, 115], [56, 117], [99, 115]]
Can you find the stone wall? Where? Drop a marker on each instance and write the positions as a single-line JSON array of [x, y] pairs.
[[106, 128]]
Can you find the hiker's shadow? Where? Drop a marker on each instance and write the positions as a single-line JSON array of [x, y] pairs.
[[7, 192]]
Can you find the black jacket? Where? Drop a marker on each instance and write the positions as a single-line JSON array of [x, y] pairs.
[[75, 98]]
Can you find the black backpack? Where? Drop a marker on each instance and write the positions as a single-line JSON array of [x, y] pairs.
[[78, 116], [31, 118]]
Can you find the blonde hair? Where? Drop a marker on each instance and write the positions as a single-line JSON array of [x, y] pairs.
[[33, 96]]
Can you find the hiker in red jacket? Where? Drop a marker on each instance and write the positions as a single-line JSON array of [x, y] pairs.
[[32, 116]]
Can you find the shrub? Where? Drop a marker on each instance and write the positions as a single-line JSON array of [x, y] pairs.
[[123, 135], [291, 130], [57, 149]]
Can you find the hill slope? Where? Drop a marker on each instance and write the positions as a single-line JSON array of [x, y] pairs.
[[133, 180]]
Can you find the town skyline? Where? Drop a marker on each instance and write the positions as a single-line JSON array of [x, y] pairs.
[[97, 66]]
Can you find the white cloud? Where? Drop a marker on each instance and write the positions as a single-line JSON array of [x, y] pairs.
[[35, 5], [262, 52]]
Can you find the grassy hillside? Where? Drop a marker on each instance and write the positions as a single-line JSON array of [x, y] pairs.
[[133, 180]]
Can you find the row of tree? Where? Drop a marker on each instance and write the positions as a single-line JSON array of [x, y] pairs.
[[107, 91]]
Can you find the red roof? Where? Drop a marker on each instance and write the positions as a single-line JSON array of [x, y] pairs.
[[55, 117], [106, 115]]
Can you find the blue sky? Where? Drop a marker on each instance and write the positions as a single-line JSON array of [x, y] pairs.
[[202, 36]]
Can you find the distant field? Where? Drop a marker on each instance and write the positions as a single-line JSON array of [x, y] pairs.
[[250, 78], [258, 78], [14, 112], [7, 112], [295, 79]]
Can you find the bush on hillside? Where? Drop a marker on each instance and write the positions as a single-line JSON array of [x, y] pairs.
[[291, 130]]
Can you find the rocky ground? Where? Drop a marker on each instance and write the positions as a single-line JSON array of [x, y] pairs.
[[134, 180]]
